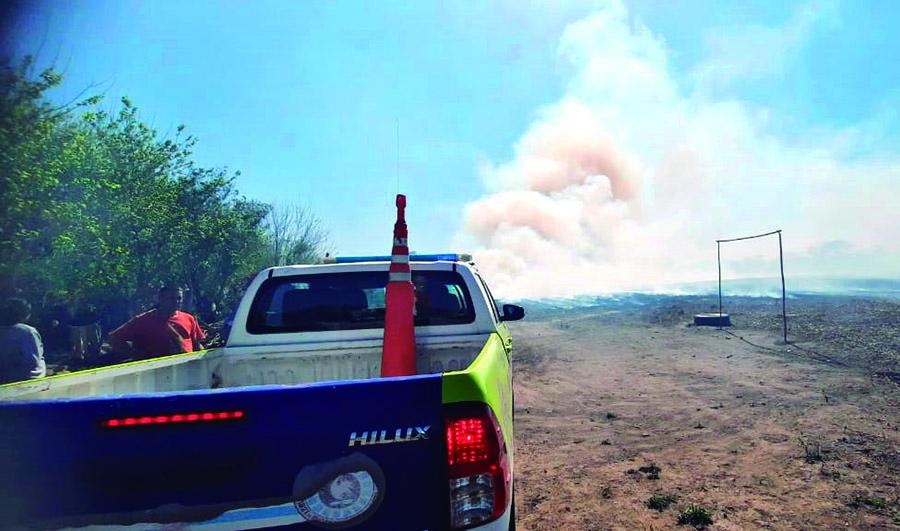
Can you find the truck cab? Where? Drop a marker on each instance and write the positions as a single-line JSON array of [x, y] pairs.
[[290, 424]]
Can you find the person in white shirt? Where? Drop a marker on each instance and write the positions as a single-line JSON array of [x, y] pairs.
[[21, 349]]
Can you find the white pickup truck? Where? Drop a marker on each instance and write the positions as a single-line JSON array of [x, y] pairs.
[[290, 424]]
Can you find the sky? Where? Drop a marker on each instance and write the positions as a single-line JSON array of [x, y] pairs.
[[573, 147]]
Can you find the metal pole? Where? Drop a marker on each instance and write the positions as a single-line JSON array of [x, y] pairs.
[[719, 259], [783, 303]]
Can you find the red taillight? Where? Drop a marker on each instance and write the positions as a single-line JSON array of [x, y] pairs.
[[467, 441], [177, 418], [478, 468]]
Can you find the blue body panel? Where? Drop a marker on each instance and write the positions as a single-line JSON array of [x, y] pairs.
[[60, 466]]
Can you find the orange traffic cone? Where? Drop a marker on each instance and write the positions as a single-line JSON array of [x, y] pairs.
[[399, 355]]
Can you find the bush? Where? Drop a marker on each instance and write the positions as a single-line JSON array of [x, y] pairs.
[[652, 471], [660, 502], [696, 516], [870, 501]]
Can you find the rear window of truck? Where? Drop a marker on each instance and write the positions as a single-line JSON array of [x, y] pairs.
[[353, 301]]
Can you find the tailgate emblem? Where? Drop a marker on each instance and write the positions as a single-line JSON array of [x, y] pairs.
[[399, 435]]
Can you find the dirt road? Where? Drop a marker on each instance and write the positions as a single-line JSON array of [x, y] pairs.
[[610, 412]]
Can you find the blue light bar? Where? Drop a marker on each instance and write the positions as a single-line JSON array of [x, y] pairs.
[[446, 257]]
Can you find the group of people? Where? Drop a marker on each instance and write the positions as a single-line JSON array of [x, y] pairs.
[[161, 331]]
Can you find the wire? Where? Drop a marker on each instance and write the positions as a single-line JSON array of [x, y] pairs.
[[815, 355]]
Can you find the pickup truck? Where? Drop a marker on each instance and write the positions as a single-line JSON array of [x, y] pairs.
[[289, 424]]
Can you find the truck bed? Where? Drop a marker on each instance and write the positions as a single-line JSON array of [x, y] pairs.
[[245, 366]]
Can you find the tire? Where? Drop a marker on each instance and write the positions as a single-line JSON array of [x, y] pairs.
[[712, 319]]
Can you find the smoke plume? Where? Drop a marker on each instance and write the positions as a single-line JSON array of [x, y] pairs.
[[626, 182]]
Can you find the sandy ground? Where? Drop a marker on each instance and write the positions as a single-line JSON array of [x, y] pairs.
[[759, 434]]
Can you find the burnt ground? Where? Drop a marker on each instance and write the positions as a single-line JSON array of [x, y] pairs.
[[621, 401]]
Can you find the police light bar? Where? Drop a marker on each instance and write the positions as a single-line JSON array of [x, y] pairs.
[[446, 257]]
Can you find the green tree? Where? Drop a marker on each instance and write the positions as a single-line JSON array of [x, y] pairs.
[[96, 208], [33, 167]]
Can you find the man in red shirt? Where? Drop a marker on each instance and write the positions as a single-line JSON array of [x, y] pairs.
[[161, 331]]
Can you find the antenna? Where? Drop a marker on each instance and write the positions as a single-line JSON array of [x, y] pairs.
[[398, 155]]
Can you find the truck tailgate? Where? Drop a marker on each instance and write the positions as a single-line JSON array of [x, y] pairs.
[[323, 454]]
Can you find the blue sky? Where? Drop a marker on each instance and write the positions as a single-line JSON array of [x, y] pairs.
[[305, 97]]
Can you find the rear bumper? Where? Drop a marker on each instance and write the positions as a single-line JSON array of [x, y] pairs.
[[277, 516]]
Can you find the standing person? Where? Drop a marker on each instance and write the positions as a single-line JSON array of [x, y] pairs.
[[21, 349], [85, 334], [162, 331]]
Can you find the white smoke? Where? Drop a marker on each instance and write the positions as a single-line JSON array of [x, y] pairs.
[[627, 181]]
